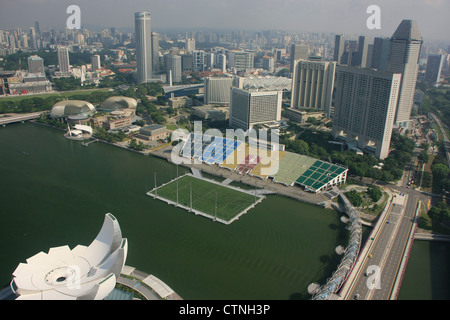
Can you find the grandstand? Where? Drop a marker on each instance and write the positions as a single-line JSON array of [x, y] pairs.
[[281, 166]]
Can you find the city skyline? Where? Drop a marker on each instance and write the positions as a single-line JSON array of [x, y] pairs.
[[347, 16]]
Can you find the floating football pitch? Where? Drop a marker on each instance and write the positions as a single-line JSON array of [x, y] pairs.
[[230, 202]]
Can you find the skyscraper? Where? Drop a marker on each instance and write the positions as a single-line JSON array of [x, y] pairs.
[[380, 53], [434, 68], [403, 58], [339, 46], [173, 68], [298, 51], [364, 108], [155, 52], [143, 36], [359, 59], [312, 84], [250, 107], [63, 61]]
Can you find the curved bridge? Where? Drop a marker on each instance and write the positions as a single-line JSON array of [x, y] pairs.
[[335, 282]]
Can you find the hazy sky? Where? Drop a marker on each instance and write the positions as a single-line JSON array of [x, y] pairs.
[[340, 16]]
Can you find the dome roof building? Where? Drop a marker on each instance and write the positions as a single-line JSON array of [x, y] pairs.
[[117, 103], [68, 108]]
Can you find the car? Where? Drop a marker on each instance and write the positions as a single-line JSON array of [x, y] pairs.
[[356, 296]]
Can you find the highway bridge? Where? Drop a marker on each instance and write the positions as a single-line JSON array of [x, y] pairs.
[[15, 117]]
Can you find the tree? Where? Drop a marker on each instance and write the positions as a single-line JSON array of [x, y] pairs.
[[423, 156], [354, 197], [374, 193]]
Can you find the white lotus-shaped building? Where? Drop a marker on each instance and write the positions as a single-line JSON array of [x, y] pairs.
[[84, 273]]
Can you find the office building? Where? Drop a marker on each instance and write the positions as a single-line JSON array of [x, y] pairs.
[[35, 64], [339, 47], [251, 107], [406, 43], [95, 62], [63, 61], [240, 60], [222, 62], [298, 51], [190, 44], [173, 68], [143, 36], [217, 90], [155, 52], [380, 53], [364, 108], [359, 59], [268, 63], [198, 60], [434, 68], [187, 62], [312, 85]]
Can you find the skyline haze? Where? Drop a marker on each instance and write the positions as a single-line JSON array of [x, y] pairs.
[[344, 16]]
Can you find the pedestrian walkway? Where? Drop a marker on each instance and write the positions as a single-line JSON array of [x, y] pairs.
[[148, 285], [197, 173]]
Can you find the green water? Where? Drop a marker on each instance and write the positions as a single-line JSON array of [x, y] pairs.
[[59, 193], [427, 275]]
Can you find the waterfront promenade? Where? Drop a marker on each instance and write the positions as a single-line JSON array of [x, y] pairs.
[[148, 285]]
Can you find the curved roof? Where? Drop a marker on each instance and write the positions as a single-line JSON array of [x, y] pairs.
[[84, 128], [118, 103], [67, 108], [87, 273]]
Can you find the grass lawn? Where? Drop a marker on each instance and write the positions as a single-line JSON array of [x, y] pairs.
[[230, 202]]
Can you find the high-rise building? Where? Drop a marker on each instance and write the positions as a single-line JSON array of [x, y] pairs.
[[143, 36], [155, 52], [210, 60], [268, 63], [198, 60], [35, 64], [37, 28], [187, 62], [33, 38], [404, 53], [251, 107], [240, 60], [190, 44], [339, 48], [95, 62], [434, 68], [173, 68], [380, 53], [217, 90], [359, 59], [222, 62], [63, 60], [298, 51], [364, 108], [312, 85]]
